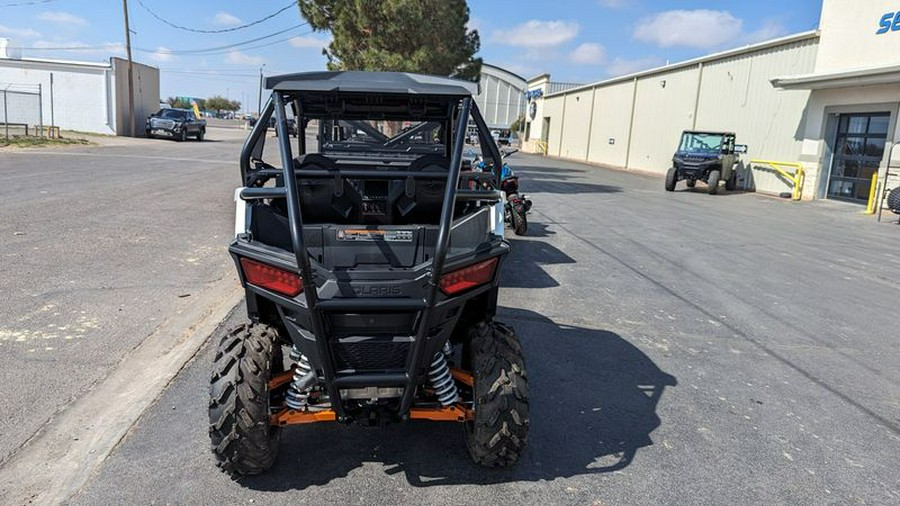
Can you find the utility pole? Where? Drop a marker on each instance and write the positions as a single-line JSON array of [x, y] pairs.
[[259, 103], [130, 70]]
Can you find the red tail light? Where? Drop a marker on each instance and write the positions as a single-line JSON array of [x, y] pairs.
[[271, 278], [468, 277]]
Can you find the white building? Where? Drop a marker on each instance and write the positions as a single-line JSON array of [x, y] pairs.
[[501, 97], [828, 99], [83, 96]]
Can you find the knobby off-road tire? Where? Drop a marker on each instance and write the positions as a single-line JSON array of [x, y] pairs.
[[242, 439], [520, 221], [713, 181], [496, 438], [731, 183], [893, 200], [691, 183], [671, 179]]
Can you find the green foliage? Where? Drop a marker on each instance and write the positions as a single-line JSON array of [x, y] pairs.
[[174, 102], [220, 103], [422, 36], [519, 124]]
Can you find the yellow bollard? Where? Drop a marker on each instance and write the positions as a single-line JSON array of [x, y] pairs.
[[870, 209]]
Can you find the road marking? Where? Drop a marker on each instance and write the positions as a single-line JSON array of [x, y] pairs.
[[59, 460], [139, 157]]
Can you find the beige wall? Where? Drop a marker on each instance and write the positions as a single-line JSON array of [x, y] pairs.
[[146, 95], [610, 128], [664, 107], [730, 93], [849, 38]]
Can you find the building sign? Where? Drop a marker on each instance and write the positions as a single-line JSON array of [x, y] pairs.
[[890, 22], [533, 94]]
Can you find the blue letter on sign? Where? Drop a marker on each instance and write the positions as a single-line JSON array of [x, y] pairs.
[[885, 23]]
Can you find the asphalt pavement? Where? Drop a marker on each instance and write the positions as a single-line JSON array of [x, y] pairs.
[[101, 246], [682, 349]]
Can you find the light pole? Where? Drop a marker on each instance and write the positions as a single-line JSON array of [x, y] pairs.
[[259, 102]]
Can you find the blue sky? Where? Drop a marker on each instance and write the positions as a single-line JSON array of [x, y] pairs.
[[576, 41]]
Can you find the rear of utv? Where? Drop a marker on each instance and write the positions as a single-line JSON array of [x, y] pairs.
[[371, 265]]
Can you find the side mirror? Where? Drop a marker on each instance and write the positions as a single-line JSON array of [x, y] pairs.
[[740, 148]]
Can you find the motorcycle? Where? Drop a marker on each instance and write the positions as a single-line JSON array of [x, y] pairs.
[[517, 204]]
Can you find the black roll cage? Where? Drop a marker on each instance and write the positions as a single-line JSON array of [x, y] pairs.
[[253, 179]]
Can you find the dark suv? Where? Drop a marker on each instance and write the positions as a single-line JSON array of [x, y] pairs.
[[178, 124], [705, 156]]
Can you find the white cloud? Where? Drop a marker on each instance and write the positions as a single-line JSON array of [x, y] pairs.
[[623, 67], [25, 33], [474, 24], [238, 58], [62, 18], [223, 18], [308, 42], [769, 30], [162, 54], [588, 54], [536, 33], [700, 28]]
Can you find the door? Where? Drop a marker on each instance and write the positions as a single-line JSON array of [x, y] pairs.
[[859, 148]]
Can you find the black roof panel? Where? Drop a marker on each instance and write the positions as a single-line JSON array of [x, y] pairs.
[[355, 81]]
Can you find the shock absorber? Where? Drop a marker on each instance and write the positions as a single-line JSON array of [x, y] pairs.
[[440, 378], [297, 396]]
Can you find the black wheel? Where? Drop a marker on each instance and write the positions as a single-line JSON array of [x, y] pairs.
[[496, 438], [691, 183], [200, 134], [893, 200], [242, 439], [731, 183], [182, 136], [520, 221], [671, 179], [713, 181]]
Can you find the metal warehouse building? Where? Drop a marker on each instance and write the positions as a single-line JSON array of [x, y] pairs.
[[75, 95], [501, 98], [828, 99]]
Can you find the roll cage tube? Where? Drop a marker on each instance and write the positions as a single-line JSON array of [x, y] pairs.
[[253, 146], [488, 141], [440, 248], [295, 222]]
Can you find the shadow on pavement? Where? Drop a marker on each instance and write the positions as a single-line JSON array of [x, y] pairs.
[[523, 268], [593, 399]]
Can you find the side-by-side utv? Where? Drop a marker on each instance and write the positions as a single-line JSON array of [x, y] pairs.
[[371, 265], [710, 157]]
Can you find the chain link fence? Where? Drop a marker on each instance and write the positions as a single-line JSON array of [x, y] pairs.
[[21, 111]]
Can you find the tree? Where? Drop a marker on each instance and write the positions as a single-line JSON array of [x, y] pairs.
[[423, 36], [173, 102], [220, 103]]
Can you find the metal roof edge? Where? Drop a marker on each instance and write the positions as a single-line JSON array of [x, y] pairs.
[[781, 41]]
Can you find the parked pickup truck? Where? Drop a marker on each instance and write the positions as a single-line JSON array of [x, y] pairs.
[[176, 123]]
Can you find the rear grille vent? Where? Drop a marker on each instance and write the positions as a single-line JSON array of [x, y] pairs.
[[372, 354]]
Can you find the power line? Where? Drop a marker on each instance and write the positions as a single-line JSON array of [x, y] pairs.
[[22, 4], [202, 51], [223, 30]]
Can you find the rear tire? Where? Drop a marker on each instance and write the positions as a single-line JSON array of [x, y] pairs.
[[497, 436], [520, 221], [243, 440], [893, 200], [671, 179], [731, 183], [713, 181]]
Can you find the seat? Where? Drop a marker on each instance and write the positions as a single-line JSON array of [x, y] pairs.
[[424, 205], [325, 200]]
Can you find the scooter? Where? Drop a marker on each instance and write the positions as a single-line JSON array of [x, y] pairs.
[[517, 205]]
